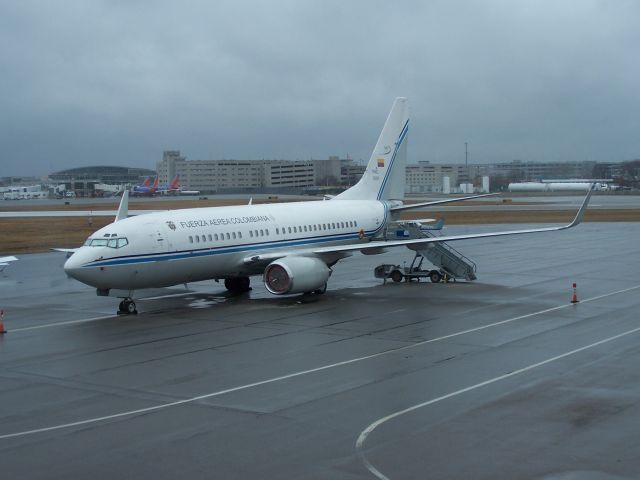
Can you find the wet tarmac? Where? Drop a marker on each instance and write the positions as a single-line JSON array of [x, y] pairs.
[[498, 378]]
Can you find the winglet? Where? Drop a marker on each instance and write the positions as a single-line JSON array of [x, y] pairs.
[[123, 209], [583, 208]]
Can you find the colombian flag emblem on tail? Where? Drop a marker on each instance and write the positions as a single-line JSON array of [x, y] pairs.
[[380, 162]]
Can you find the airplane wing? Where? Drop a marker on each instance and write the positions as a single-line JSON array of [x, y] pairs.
[[402, 208], [5, 261], [339, 251]]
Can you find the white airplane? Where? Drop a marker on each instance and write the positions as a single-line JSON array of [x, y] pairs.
[[292, 245], [5, 261]]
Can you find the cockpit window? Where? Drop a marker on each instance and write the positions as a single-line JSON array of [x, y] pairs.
[[103, 242]]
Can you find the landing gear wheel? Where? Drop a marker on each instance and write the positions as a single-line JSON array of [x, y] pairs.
[[244, 284], [435, 276], [131, 307], [127, 307], [321, 290], [396, 276], [237, 284]]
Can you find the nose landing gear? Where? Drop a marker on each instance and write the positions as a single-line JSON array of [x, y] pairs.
[[127, 307]]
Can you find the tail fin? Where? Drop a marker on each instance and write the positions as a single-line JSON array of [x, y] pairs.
[[175, 183], [384, 177], [123, 209], [155, 184], [147, 182]]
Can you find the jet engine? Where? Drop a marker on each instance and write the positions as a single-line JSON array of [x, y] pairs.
[[296, 275]]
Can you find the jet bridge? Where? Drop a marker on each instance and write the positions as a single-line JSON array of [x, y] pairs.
[[449, 260]]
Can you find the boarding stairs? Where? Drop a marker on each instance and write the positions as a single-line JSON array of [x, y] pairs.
[[444, 256]]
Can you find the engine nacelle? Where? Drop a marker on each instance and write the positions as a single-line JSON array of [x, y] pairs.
[[295, 275]]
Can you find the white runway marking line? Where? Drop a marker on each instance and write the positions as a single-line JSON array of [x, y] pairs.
[[367, 431], [59, 324], [296, 374]]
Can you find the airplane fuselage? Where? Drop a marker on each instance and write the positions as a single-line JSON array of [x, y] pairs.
[[174, 247]]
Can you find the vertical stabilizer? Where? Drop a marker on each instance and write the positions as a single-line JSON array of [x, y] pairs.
[[384, 177], [123, 209]]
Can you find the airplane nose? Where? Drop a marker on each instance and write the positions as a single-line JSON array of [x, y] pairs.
[[72, 265], [76, 267]]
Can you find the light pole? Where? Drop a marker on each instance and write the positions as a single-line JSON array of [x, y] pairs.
[[466, 160]]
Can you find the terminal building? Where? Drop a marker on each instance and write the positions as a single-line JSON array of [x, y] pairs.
[[211, 176], [83, 180]]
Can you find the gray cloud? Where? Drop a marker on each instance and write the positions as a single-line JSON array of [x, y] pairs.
[[88, 83]]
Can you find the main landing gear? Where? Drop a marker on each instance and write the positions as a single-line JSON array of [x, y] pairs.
[[237, 284], [321, 291], [127, 307]]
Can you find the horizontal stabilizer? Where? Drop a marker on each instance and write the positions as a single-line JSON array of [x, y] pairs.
[[65, 250]]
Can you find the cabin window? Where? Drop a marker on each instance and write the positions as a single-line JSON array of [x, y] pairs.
[[204, 238], [215, 235], [190, 239], [228, 236], [295, 229], [233, 234], [239, 234], [266, 232], [261, 233], [277, 231], [289, 229], [355, 223], [251, 233], [197, 239], [315, 228], [324, 226], [333, 225], [305, 228], [210, 238]]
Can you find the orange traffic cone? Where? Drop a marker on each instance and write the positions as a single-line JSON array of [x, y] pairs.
[[574, 299], [2, 329]]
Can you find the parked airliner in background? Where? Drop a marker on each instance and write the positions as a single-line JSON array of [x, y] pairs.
[[172, 189], [144, 190], [188, 192], [292, 245]]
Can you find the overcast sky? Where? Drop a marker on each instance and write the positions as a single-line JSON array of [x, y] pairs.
[[117, 82]]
